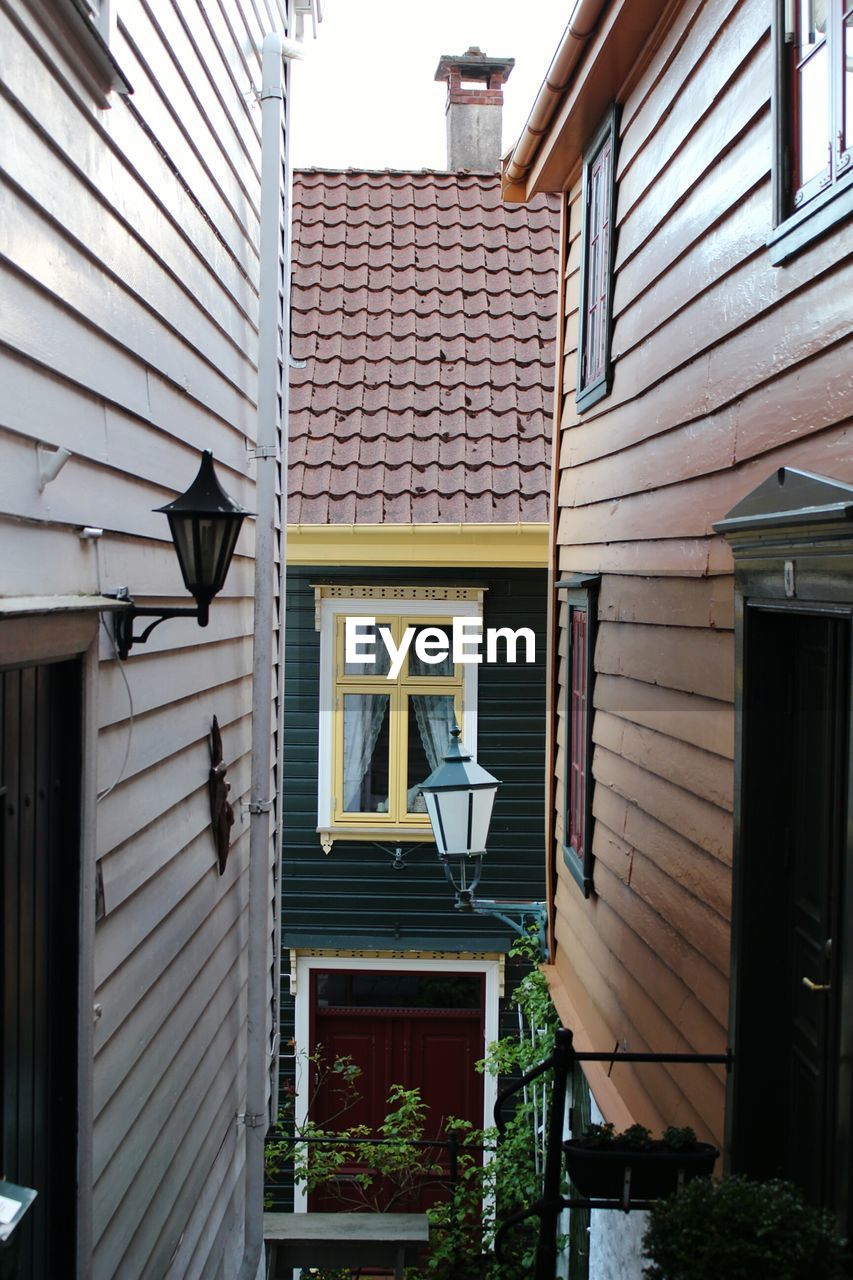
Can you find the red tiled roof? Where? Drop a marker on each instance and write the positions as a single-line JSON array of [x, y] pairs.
[[425, 310]]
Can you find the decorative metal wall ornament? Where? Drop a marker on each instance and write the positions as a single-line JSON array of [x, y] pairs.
[[221, 809]]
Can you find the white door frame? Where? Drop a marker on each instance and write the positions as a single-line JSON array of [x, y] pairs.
[[306, 964]]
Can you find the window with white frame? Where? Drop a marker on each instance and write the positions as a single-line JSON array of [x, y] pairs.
[[385, 725]]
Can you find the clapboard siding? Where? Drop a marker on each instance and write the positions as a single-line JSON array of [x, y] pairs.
[[723, 369], [128, 335]]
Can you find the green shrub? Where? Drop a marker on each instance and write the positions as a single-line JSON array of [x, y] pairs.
[[738, 1229]]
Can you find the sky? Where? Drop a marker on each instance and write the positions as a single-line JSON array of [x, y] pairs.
[[364, 96]]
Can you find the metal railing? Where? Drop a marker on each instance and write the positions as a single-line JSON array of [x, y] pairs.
[[561, 1061]]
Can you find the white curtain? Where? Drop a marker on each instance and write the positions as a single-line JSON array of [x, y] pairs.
[[435, 716], [364, 715]]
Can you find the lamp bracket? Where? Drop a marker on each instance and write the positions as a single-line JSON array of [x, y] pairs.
[[513, 914], [123, 622]]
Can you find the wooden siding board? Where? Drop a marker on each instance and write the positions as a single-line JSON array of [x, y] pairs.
[[704, 722], [706, 99], [675, 602], [695, 661], [214, 1238], [695, 819], [96, 300], [126, 173], [770, 341], [203, 127], [745, 102], [680, 951], [677, 556], [699, 872], [125, 1036], [137, 946], [175, 1169], [138, 246], [800, 402], [691, 507], [162, 1070], [651, 1093], [717, 194], [699, 772]]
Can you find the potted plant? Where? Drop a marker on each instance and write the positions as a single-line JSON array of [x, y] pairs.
[[743, 1230], [632, 1165]]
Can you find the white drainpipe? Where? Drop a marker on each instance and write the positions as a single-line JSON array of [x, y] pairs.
[[271, 444]]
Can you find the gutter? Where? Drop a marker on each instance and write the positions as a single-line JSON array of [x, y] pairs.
[[270, 450], [582, 23]]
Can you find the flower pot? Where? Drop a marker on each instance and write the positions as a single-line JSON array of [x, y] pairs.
[[600, 1173]]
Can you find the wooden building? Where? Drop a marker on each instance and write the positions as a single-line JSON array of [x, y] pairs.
[[131, 152], [423, 314], [704, 161]]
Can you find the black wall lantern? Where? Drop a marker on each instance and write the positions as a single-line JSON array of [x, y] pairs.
[[204, 524], [460, 795]]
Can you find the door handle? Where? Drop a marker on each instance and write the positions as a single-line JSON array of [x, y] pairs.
[[816, 986]]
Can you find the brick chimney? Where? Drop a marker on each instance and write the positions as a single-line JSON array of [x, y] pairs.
[[474, 102]]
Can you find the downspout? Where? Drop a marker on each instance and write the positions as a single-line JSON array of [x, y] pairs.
[[271, 446]]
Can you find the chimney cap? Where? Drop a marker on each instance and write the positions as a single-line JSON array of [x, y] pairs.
[[473, 65]]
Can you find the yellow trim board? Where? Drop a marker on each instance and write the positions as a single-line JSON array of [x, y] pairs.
[[434, 546]]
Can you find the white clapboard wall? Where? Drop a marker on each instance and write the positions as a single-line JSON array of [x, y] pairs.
[[128, 335]]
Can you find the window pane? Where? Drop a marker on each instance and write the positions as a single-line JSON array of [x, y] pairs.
[[431, 718], [577, 760], [399, 990], [366, 734], [814, 115], [370, 642], [432, 642], [597, 240]]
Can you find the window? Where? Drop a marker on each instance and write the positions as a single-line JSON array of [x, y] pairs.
[[596, 289], [83, 31], [384, 730], [813, 107], [577, 797]]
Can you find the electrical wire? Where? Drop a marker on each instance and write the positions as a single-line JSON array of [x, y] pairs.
[[102, 795]]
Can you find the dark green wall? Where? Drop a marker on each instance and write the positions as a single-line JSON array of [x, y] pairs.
[[353, 898]]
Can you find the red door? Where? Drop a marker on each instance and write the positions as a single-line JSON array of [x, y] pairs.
[[422, 1030]]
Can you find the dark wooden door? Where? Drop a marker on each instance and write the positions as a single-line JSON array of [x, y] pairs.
[[39, 860], [791, 933], [430, 1046]]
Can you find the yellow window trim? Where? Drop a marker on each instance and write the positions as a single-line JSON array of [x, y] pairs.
[[398, 691], [433, 546]]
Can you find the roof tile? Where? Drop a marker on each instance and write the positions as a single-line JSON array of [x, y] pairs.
[[424, 309]]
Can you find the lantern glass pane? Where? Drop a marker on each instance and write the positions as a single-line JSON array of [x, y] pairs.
[[205, 545], [453, 811], [483, 802]]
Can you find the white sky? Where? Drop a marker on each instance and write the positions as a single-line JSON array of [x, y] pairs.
[[365, 96]]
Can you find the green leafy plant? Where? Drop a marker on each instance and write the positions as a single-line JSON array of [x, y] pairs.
[[635, 1138], [741, 1230], [679, 1139]]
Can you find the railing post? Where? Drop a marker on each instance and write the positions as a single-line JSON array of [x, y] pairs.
[[546, 1250]]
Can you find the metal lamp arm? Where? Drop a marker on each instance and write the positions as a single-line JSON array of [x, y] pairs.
[[124, 637]]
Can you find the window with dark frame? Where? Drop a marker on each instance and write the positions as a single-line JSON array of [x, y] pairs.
[[596, 289], [813, 110], [581, 601]]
